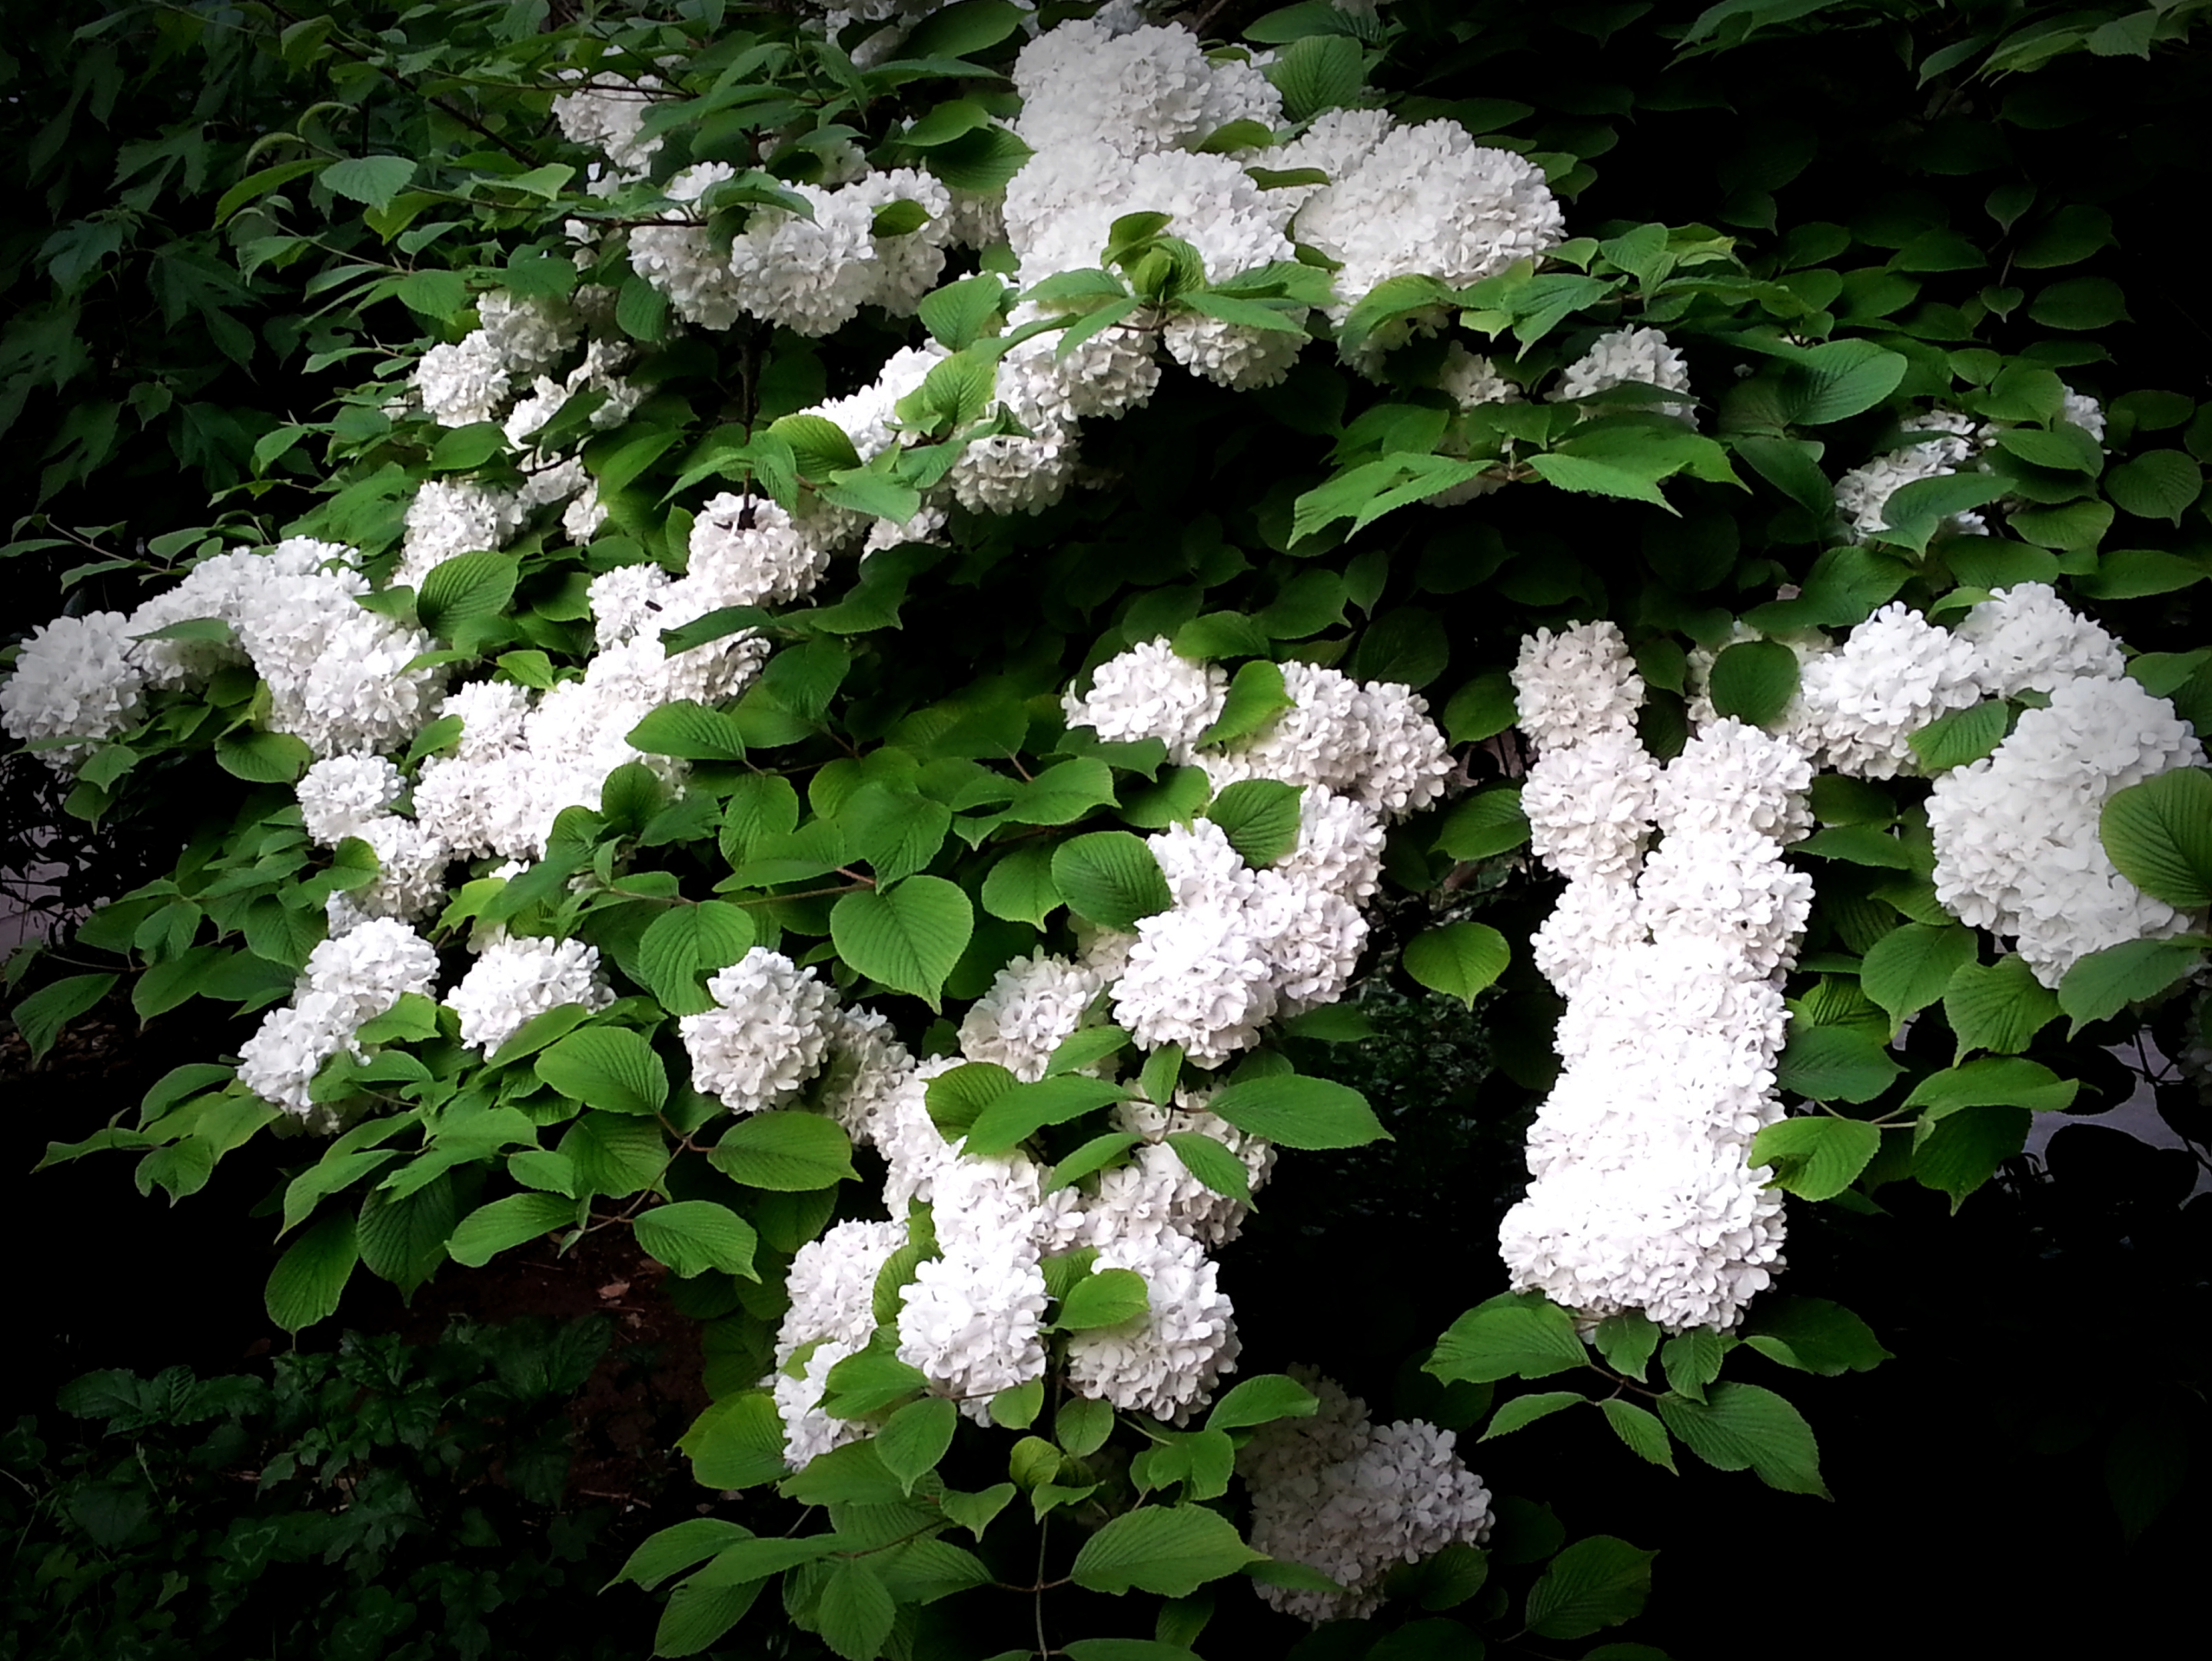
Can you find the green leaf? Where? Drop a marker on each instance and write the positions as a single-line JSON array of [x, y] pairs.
[[1095, 1154], [2157, 484], [1995, 1080], [1523, 1410], [305, 1285], [960, 313], [1627, 1340], [1169, 1550], [1105, 1297], [467, 588], [1255, 698], [607, 1066], [784, 1152], [856, 1611], [1959, 737], [1296, 1111], [693, 1236], [615, 1154], [1813, 1335], [1514, 1336], [915, 1437], [2158, 835], [1016, 1114], [1594, 1583], [1482, 708], [1261, 1399], [1754, 680], [1211, 1164], [372, 181], [1745, 1427], [489, 1230], [1591, 476], [1834, 1064], [1063, 793], [1082, 1424], [1817, 1158], [675, 1549], [1016, 1406], [2080, 303], [2000, 1007], [260, 758], [698, 1613], [1019, 887], [1959, 1151], [1909, 967], [819, 445], [1839, 379], [737, 1443], [464, 447], [1861, 844], [1487, 824], [690, 730], [1085, 1048], [2103, 983], [1260, 817], [41, 1017], [1640, 1431], [1110, 877], [1459, 960], [686, 942], [909, 938]]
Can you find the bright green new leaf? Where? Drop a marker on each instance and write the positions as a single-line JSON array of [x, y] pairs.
[[1513, 1335], [1110, 877], [1523, 1410], [1296, 1111], [690, 730], [1998, 1007], [310, 1277], [1834, 1064], [913, 1439], [489, 1230], [2158, 834], [1816, 1157], [1909, 967], [1212, 1164], [1169, 1550], [1019, 1113], [784, 1152], [1261, 1399], [2105, 982], [1745, 1427], [737, 1443], [909, 938], [1813, 1335], [1260, 817], [1105, 1297], [1255, 698], [1458, 960], [1995, 1080], [1962, 736], [607, 1066]]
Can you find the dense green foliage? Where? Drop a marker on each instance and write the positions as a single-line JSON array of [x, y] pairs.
[[226, 216]]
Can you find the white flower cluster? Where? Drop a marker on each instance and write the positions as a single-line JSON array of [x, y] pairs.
[[348, 981], [337, 672], [1859, 705], [1629, 356], [768, 1034], [515, 980], [1863, 495], [1354, 1499], [467, 381], [832, 1287], [2017, 849], [1639, 1197]]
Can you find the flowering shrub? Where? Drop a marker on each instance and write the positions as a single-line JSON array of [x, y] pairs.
[[952, 580]]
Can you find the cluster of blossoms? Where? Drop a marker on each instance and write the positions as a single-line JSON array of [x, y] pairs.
[[1640, 1196], [1354, 1499], [2017, 847], [349, 980], [1945, 441]]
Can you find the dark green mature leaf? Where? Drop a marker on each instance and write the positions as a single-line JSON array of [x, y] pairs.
[[1317, 73], [1459, 960], [1020, 887], [1170, 1550], [913, 1439], [1261, 1399], [784, 1152], [1021, 1111], [1834, 1064], [1995, 1080], [1482, 708], [1110, 877], [1640, 1430], [1959, 1151], [489, 1230], [372, 181], [1296, 1111], [687, 941], [1104, 1298], [672, 1551], [1754, 680], [1817, 1158], [1594, 1583], [41, 1017], [1521, 1335], [1962, 736], [2158, 835], [1839, 379], [467, 588], [1260, 817], [1813, 1335], [607, 1066], [1485, 825], [1999, 1006], [1747, 1427], [1523, 1410], [310, 1277], [909, 938], [737, 1443], [1909, 967], [690, 730], [2157, 484], [1255, 698]]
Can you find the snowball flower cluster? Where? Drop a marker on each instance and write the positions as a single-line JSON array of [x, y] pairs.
[[1354, 1499], [347, 981], [1863, 495], [74, 685], [1860, 705], [515, 980], [767, 1034], [1642, 357]]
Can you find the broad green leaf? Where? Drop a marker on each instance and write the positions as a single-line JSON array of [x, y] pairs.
[[261, 758], [1063, 793], [913, 1439], [1260, 817], [2158, 835], [607, 1066], [1488, 822], [1962, 736], [1261, 1399], [1959, 1151], [1085, 1048], [1019, 887], [1094, 1155], [2157, 484], [1016, 1406], [1169, 1550], [1816, 1157], [1104, 1298], [1296, 1111], [1523, 1410], [2103, 983], [786, 1153], [1211, 1164], [1754, 680], [1998, 1007], [672, 1551], [909, 938], [1995, 1080], [1640, 1430], [1861, 844], [690, 729], [1626, 1341], [1020, 1112], [1520, 1336], [489, 1230], [1834, 1064], [737, 1443], [696, 1617], [1458, 960], [1745, 1427], [1482, 708], [371, 180], [1255, 698], [1594, 1583], [1108, 876], [686, 942], [41, 1017], [1909, 967], [615, 1154], [402, 1237], [310, 1277], [1839, 379], [693, 1236], [1813, 1335]]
